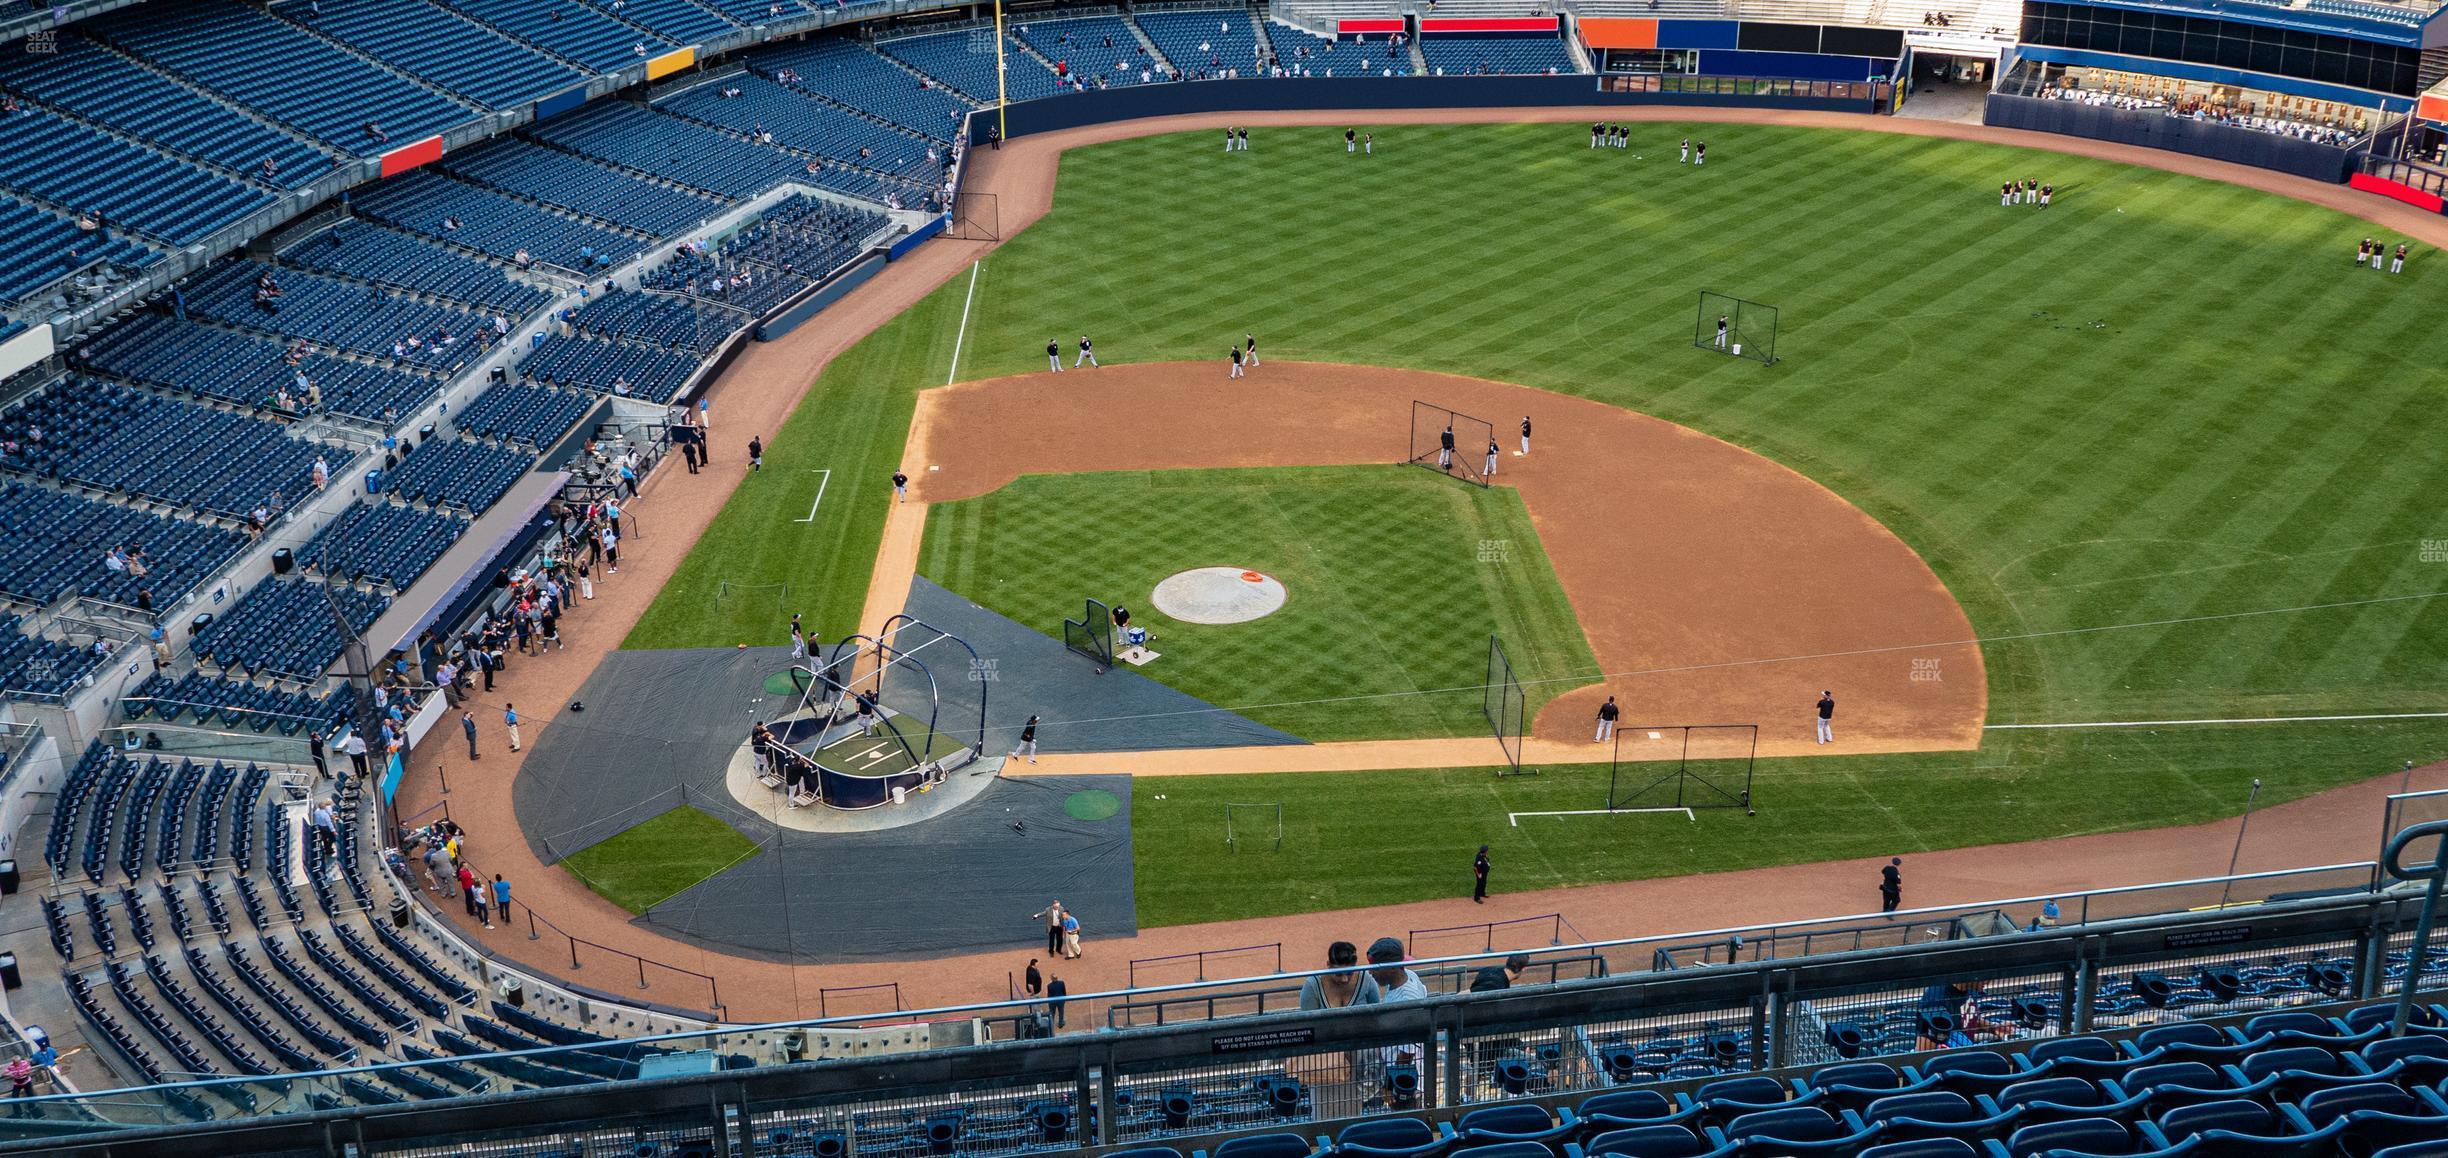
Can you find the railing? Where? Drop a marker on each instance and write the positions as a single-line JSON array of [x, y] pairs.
[[1519, 933], [1587, 1035], [1272, 952], [827, 996]]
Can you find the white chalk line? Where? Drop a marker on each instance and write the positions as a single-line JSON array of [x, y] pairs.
[[963, 333], [821, 484], [1515, 817], [2236, 720]]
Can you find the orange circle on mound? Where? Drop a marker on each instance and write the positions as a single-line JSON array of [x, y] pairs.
[[1252, 577]]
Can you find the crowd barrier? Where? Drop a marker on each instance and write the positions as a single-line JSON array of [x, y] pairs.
[[1362, 94], [2154, 129]]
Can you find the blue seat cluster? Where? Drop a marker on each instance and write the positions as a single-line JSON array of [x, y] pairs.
[[382, 543], [852, 76], [574, 183], [1297, 47], [1099, 50], [283, 629], [124, 1042], [806, 235], [210, 701], [130, 797], [457, 54], [455, 472], [681, 20], [711, 277], [802, 122], [525, 412], [36, 666], [382, 255], [367, 319], [1204, 42], [1471, 55], [668, 147], [88, 170], [592, 364], [259, 62], [571, 31], [424, 202], [49, 247], [2390, 13], [655, 319], [79, 77], [52, 545], [249, 370], [121, 439], [966, 61]]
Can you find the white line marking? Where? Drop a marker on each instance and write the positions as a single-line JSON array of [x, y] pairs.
[[821, 484], [1515, 817], [963, 334], [2244, 720]]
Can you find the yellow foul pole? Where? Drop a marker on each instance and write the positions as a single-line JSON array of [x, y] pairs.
[[1000, 98]]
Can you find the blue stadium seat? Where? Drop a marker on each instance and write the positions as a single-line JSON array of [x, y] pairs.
[[397, 259], [593, 39], [381, 543], [52, 545], [1389, 1138], [1658, 1141], [854, 77], [966, 62], [285, 628], [1451, 55], [451, 51], [110, 437], [88, 170], [80, 77], [250, 370], [469, 476], [1099, 50], [524, 412], [591, 364], [531, 171], [1524, 1123], [426, 202], [47, 247], [669, 147], [255, 60], [368, 319], [801, 122], [1204, 42]]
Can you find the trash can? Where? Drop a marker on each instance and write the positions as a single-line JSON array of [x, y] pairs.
[[514, 991], [10, 978], [900, 795], [399, 914], [8, 877]]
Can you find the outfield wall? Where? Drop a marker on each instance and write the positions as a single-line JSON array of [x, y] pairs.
[[1363, 93], [2157, 130]]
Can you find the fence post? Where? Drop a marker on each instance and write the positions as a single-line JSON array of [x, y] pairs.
[[641, 972], [531, 929]]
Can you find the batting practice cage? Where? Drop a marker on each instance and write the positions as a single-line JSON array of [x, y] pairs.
[[1657, 767], [930, 718], [1502, 701], [1256, 825], [1750, 328], [1092, 634], [1471, 439]]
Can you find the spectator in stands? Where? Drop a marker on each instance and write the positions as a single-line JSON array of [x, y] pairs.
[[374, 132], [355, 748], [1398, 983], [21, 1079], [1340, 990], [1494, 978], [327, 831]]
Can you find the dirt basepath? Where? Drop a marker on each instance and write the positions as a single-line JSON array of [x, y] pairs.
[[1743, 586], [759, 391]]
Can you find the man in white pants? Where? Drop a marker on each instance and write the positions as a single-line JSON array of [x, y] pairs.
[[1445, 448], [1827, 717], [1054, 354], [1491, 464], [1525, 435], [1028, 742], [1607, 712], [1087, 352]]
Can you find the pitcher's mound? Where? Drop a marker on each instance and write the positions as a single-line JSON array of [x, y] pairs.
[[1219, 595]]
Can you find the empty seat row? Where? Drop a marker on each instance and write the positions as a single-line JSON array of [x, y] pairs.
[[669, 147], [32, 665], [1204, 42], [88, 170], [725, 279], [851, 75], [591, 39], [470, 476], [213, 702], [382, 543], [657, 319], [802, 122], [117, 438], [253, 370], [1097, 49], [1474, 55], [81, 77], [398, 259], [285, 628], [368, 319], [46, 247], [456, 213], [54, 544], [532, 171], [525, 412], [966, 61], [449, 50], [611, 367]]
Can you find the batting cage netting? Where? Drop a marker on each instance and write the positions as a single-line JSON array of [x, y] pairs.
[[1659, 766], [1505, 705], [1730, 325], [1091, 634], [1451, 442]]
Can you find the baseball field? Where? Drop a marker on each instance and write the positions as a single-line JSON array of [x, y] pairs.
[[2163, 443]]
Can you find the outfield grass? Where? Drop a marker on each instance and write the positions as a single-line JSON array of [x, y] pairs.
[[1394, 579], [2174, 455], [654, 861], [1358, 839]]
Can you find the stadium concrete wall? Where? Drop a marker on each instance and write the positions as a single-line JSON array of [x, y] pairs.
[[2159, 131], [1359, 94]]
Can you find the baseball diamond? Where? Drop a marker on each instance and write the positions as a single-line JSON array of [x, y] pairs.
[[1625, 580]]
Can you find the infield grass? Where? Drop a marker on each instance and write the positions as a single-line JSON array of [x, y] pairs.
[[1394, 578], [2173, 452], [656, 860]]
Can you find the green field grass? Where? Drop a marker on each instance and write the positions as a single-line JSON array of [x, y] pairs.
[[1394, 579], [1359, 839], [2174, 455], [652, 862]]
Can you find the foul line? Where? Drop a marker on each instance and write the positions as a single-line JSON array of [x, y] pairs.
[[1515, 817], [821, 484], [2239, 720], [963, 332]]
